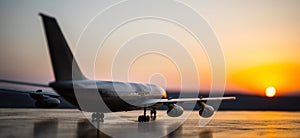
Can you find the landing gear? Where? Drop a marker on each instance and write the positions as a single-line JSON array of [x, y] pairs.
[[144, 118], [98, 117], [153, 113]]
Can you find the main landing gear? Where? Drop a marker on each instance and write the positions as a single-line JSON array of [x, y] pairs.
[[98, 117], [146, 118]]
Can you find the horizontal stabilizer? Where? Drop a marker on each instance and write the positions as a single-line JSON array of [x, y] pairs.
[[24, 83]]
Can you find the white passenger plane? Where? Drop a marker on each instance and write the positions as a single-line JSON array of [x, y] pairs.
[[117, 96]]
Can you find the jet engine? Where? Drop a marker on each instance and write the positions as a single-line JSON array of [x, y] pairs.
[[174, 110], [206, 111], [47, 102], [44, 101]]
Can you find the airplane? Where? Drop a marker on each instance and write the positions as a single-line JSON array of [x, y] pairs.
[[117, 96]]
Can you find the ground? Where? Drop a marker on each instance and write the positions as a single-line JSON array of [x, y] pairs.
[[74, 123]]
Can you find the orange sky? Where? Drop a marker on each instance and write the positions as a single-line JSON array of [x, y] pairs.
[[259, 39], [283, 76]]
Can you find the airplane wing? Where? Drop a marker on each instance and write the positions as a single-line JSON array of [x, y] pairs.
[[153, 101], [35, 93]]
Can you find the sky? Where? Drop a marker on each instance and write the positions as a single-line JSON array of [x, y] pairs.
[[259, 39]]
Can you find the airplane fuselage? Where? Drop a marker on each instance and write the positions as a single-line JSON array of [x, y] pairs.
[[107, 96]]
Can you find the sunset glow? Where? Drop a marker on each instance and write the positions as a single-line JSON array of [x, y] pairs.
[[257, 79]]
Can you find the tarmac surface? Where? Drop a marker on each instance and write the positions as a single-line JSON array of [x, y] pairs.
[[74, 123]]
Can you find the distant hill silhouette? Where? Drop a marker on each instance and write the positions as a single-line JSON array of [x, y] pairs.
[[243, 102]]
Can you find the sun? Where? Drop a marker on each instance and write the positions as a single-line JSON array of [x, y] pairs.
[[270, 91]]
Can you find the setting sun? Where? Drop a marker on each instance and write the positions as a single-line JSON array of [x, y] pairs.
[[270, 91]]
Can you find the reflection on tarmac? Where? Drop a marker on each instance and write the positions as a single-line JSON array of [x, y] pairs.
[[177, 132], [86, 129], [47, 128], [206, 133]]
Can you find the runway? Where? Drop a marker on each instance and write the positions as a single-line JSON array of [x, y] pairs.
[[74, 123]]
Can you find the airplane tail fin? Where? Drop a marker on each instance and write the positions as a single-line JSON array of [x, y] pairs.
[[64, 65]]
